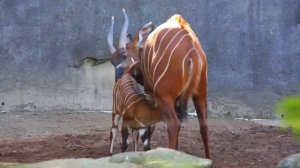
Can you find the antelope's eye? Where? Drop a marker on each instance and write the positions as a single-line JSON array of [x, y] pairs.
[[124, 55]]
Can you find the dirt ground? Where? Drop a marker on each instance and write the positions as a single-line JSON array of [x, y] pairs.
[[31, 137]]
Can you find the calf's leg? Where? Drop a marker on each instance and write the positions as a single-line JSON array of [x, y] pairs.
[[114, 130]]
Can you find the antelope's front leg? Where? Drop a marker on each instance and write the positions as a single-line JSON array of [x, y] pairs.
[[124, 137], [114, 130]]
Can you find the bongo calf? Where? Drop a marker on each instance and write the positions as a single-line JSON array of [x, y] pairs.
[[137, 110]]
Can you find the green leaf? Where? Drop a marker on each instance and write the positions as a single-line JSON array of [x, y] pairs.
[[289, 109]]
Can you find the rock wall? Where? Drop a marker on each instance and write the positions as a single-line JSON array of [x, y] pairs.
[[253, 50]]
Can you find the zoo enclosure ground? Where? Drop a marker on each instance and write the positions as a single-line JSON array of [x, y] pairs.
[[37, 136]]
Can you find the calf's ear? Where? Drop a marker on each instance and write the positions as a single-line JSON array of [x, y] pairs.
[[144, 33], [132, 69]]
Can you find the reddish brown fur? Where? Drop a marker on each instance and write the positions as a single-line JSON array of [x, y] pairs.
[[125, 93], [174, 66], [137, 110]]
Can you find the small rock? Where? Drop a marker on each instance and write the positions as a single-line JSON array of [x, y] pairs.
[[292, 161], [235, 148]]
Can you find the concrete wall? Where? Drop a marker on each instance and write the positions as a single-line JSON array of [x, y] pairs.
[[253, 49]]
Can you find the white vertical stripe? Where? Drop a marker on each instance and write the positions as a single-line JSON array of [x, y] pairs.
[[168, 64], [154, 54], [163, 54], [146, 66], [183, 61], [131, 104], [158, 48]]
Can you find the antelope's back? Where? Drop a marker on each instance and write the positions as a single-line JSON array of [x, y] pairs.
[[166, 53], [125, 92]]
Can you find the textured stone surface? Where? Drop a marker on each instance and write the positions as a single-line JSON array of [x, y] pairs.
[[292, 161], [252, 47], [160, 158]]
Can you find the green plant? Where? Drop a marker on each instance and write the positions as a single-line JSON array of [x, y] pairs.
[[289, 109]]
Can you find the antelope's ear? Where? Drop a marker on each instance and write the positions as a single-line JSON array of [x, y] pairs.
[[128, 38], [144, 33], [135, 71]]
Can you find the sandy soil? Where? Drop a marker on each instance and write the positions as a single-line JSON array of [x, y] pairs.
[[31, 137]]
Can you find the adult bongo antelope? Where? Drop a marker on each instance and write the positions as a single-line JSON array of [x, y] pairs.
[[118, 58], [137, 110], [174, 69]]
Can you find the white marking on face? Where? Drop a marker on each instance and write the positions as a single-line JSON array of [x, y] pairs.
[[127, 141], [146, 142], [118, 66], [132, 60]]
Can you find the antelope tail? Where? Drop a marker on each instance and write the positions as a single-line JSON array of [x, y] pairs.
[[182, 100]]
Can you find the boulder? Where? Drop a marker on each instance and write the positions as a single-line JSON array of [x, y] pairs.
[[292, 161], [161, 158]]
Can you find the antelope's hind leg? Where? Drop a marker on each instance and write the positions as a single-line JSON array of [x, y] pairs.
[[171, 120], [201, 109], [144, 133], [135, 136], [147, 137]]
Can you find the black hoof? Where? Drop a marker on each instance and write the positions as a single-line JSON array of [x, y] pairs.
[[146, 148]]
